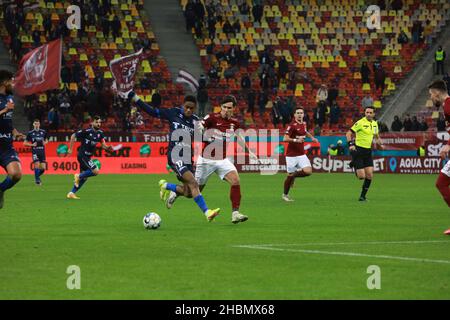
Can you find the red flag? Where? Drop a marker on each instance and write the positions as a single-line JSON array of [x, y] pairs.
[[39, 69], [124, 70]]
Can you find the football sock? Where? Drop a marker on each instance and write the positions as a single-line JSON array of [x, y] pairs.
[[442, 184], [41, 172], [288, 183], [200, 201], [235, 197], [8, 183], [75, 189], [36, 174], [365, 187], [86, 174], [171, 187]]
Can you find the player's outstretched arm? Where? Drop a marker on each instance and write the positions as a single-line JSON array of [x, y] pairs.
[[141, 104], [18, 135], [26, 143], [73, 138], [309, 135], [351, 142], [106, 147]]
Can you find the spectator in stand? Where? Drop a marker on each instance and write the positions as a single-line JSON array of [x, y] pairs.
[[446, 78], [251, 99], [257, 12], [380, 77], [36, 38], [16, 48], [416, 31], [263, 98], [202, 99], [423, 125], [264, 80], [365, 73], [116, 26], [213, 73], [440, 123], [156, 99], [402, 38], [98, 82], [212, 26], [236, 26], [198, 28], [227, 28], [439, 57], [333, 92], [76, 72], [335, 113], [65, 111], [319, 114], [396, 124], [65, 75], [415, 126], [322, 94], [199, 10], [397, 5], [367, 101], [383, 127], [106, 26], [428, 32], [244, 9], [276, 113], [283, 68], [53, 119], [189, 15], [407, 123], [246, 84]]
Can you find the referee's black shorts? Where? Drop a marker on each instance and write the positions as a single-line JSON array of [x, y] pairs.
[[362, 158]]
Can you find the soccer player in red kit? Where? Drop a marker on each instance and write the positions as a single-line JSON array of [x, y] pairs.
[[439, 96], [297, 163], [220, 128]]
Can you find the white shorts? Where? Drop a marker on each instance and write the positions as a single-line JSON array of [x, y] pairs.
[[294, 164], [446, 169], [206, 167]]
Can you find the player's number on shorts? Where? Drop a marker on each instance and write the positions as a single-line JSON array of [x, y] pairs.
[[179, 164]]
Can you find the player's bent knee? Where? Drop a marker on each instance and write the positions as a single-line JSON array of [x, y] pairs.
[[95, 172], [16, 176]]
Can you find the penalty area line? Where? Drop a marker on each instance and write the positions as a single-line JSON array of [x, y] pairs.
[[348, 254]]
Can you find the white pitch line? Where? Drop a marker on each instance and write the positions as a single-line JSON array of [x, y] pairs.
[[350, 254], [350, 243]]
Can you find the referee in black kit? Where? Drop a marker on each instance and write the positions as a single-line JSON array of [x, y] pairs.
[[360, 148]]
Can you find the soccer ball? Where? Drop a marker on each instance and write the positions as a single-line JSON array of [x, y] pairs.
[[152, 221]]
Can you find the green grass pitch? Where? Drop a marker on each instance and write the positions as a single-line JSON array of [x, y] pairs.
[[318, 247]]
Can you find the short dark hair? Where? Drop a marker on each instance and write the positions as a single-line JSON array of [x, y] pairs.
[[299, 108], [369, 107], [438, 85], [5, 75], [36, 120], [190, 98], [95, 118], [229, 98]]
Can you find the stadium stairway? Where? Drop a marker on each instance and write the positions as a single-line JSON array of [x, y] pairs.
[[412, 95], [20, 120], [176, 45]]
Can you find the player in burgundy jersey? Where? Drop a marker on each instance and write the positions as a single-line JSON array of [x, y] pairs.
[[219, 129], [439, 96], [297, 163]]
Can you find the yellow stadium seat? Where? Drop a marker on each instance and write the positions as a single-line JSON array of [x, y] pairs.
[[50, 5], [102, 63], [73, 86], [366, 87], [299, 87], [54, 16], [72, 51], [107, 75], [342, 64], [112, 46], [83, 57], [43, 97], [391, 86], [298, 93], [129, 46], [435, 115], [377, 104], [357, 76]]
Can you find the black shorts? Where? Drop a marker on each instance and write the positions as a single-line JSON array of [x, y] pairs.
[[39, 156], [7, 156], [86, 163], [362, 158], [180, 168]]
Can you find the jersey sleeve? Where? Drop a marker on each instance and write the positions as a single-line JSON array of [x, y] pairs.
[[289, 131], [154, 112], [28, 138], [208, 122], [102, 137], [356, 127], [80, 134]]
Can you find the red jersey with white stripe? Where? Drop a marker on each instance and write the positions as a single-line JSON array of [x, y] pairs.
[[220, 131], [447, 115], [296, 130]]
